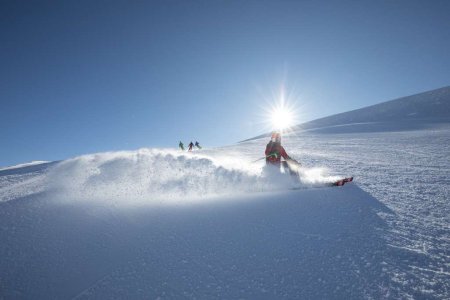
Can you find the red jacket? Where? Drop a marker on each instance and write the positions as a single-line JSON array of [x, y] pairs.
[[274, 152]]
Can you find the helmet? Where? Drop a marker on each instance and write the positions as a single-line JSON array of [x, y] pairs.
[[276, 137]]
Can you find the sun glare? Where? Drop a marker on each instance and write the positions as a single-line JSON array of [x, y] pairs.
[[281, 111], [282, 118]]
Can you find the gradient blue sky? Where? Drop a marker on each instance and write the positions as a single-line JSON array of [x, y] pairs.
[[79, 77]]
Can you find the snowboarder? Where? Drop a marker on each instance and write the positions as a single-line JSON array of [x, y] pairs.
[[197, 145], [274, 153], [181, 146], [190, 146]]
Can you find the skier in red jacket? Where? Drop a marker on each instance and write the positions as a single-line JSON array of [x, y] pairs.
[[274, 153]]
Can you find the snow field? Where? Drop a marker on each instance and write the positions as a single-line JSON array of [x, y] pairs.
[[210, 224], [409, 172], [311, 243]]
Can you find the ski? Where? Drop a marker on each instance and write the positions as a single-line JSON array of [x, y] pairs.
[[343, 181]]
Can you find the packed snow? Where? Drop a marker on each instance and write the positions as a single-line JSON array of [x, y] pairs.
[[212, 224]]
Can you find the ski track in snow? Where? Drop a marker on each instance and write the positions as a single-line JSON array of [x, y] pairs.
[[410, 173], [406, 171]]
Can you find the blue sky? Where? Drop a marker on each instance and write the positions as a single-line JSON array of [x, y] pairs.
[[79, 77]]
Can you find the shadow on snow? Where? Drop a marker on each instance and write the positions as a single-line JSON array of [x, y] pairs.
[[321, 243]]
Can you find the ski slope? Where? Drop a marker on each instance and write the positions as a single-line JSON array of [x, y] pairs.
[[421, 111], [162, 224]]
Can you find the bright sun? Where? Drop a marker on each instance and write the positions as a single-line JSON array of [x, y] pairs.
[[281, 112], [282, 118]]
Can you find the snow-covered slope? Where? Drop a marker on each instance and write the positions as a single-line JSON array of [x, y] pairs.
[[150, 223], [309, 244], [158, 223], [21, 166], [421, 111], [432, 106]]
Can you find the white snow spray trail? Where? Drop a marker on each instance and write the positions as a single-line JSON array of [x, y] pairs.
[[147, 175], [155, 175]]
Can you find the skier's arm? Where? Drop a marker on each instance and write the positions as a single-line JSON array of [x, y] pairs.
[[287, 157]]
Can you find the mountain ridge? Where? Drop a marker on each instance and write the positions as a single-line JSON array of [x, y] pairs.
[[409, 112]]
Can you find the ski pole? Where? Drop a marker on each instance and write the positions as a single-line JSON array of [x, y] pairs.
[[294, 161], [264, 157], [258, 159]]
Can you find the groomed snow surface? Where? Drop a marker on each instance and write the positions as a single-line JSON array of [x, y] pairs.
[[161, 224]]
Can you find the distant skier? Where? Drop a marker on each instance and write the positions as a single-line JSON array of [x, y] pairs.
[[181, 146], [190, 146], [197, 145], [274, 153]]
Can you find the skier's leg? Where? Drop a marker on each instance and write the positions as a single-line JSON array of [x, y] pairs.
[[290, 168]]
